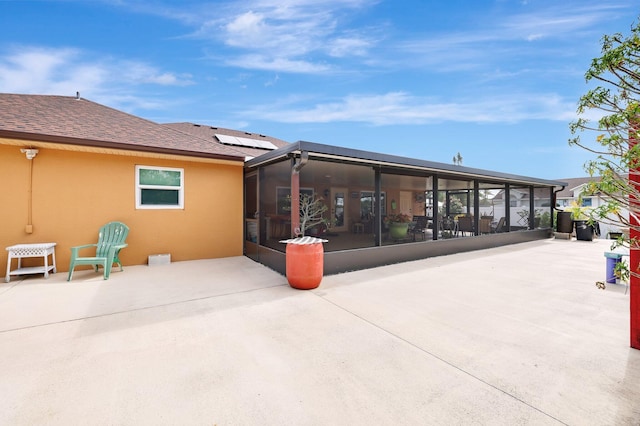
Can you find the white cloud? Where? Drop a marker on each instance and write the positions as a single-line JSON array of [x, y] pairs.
[[304, 36], [246, 29], [561, 26], [534, 37], [33, 70], [137, 72], [277, 64], [286, 33], [64, 71], [273, 81], [401, 108], [348, 46], [556, 22]]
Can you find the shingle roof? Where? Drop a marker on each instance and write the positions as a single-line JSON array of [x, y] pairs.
[[71, 120], [572, 183], [209, 133]]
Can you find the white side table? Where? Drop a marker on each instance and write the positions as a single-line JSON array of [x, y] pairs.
[[20, 251]]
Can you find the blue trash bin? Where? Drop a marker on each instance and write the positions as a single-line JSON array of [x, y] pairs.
[[612, 260]]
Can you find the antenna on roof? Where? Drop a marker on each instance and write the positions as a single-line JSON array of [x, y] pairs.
[[77, 96]]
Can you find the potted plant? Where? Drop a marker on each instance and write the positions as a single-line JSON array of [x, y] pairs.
[[564, 222], [581, 220], [398, 225], [305, 254]]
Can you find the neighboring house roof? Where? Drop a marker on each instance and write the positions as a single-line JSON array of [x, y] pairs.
[[574, 186], [522, 193], [77, 121], [212, 133]]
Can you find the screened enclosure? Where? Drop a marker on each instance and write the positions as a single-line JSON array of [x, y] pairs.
[[386, 208]]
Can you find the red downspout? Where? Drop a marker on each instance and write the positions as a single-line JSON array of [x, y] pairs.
[[634, 251]]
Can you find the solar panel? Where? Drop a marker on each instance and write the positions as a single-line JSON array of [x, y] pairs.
[[247, 142], [229, 140], [257, 143]]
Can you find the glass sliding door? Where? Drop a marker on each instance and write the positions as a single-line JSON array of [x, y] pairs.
[[542, 207], [520, 208], [492, 208], [275, 204], [348, 220], [405, 218]]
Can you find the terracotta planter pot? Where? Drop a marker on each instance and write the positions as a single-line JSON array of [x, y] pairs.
[[305, 262]]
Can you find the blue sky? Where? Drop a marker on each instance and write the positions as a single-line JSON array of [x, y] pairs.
[[497, 81]]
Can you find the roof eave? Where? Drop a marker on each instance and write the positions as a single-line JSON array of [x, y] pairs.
[[26, 136], [385, 160]]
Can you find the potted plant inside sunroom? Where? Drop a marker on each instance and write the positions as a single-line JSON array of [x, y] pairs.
[[398, 225], [305, 254]]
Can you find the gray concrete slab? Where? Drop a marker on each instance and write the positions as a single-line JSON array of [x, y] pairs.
[[513, 335]]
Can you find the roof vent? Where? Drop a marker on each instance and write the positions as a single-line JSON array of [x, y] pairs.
[[196, 125], [77, 96]]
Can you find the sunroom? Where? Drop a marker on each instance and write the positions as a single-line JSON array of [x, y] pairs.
[[383, 209]]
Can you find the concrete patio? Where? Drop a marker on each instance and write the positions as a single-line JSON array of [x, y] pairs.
[[507, 336]]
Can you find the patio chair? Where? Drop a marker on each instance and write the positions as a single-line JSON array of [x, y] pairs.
[[448, 227], [484, 226], [465, 225], [111, 239], [420, 227], [500, 225]]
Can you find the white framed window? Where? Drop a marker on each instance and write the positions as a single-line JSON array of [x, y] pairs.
[[159, 188]]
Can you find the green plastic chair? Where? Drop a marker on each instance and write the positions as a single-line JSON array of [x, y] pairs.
[[110, 241]]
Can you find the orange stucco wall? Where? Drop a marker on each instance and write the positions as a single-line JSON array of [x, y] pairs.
[[74, 193]]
